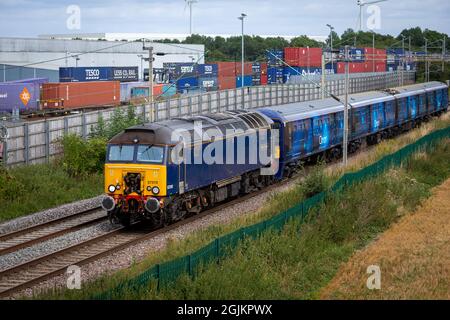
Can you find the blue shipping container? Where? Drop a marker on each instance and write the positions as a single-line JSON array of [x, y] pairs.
[[275, 75], [84, 74], [184, 85], [169, 90], [21, 96], [247, 81], [31, 80], [208, 83], [298, 71], [275, 57], [210, 69], [126, 88]]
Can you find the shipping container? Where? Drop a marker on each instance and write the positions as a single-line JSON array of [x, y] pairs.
[[19, 96], [256, 68], [186, 84], [303, 57], [299, 71], [380, 67], [353, 67], [247, 81], [331, 68], [208, 83], [275, 58], [78, 95], [169, 90], [247, 68], [275, 75], [264, 79], [263, 68], [126, 87], [84, 74], [226, 69], [227, 82], [209, 69]]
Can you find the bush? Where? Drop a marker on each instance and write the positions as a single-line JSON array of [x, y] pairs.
[[10, 187], [120, 120], [315, 182], [83, 156]]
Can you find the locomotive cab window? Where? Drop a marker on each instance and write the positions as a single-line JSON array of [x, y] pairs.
[[123, 153], [150, 154]]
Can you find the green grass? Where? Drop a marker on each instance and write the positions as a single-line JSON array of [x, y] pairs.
[[297, 263], [27, 189]]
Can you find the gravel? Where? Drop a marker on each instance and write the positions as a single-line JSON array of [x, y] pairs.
[[52, 245], [50, 214], [128, 256]]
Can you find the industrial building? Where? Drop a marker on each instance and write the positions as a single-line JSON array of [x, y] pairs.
[[22, 58]]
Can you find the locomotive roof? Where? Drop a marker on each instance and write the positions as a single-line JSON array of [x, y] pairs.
[[308, 109], [164, 132], [409, 90]]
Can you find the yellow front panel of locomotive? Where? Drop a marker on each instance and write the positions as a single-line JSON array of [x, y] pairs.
[[153, 176]]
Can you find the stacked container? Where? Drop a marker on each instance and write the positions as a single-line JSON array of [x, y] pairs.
[[303, 57], [208, 77], [274, 72], [226, 75], [256, 74]]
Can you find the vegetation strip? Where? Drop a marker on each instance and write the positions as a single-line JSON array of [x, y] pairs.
[[170, 271]]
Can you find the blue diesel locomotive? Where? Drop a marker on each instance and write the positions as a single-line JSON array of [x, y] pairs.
[[164, 171]]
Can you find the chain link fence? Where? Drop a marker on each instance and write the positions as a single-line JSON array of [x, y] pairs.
[[37, 141]]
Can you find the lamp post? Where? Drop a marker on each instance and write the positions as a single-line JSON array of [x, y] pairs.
[[242, 17], [331, 44]]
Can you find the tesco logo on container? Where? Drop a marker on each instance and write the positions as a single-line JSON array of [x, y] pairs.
[[208, 83], [92, 74]]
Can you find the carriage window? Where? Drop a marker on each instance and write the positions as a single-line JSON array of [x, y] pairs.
[[121, 153], [150, 154]]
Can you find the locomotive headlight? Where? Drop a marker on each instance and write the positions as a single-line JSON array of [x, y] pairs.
[[155, 190], [149, 188], [111, 188], [118, 187]]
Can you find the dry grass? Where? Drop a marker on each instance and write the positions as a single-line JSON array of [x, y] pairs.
[[413, 255]]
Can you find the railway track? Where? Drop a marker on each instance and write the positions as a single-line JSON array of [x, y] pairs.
[[26, 237], [27, 274]]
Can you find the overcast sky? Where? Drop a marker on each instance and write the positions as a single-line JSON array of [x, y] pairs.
[[265, 17]]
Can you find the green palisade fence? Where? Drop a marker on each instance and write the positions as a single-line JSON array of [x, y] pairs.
[[166, 273]]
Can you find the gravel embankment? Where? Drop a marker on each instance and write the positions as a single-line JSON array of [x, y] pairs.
[[138, 252], [50, 214], [52, 245]]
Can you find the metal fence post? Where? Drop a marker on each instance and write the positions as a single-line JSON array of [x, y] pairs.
[[83, 125], [179, 107], [5, 153], [167, 109], [26, 142], [66, 125], [47, 141]]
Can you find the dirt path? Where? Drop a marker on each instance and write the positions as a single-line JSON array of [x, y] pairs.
[[413, 256]]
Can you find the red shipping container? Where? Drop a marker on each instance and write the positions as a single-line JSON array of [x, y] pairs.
[[357, 67], [227, 83], [381, 55], [303, 57], [247, 68], [77, 95], [380, 67], [341, 67], [226, 69], [369, 53], [263, 68], [264, 79]]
